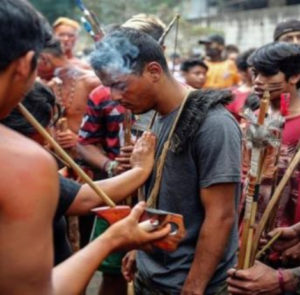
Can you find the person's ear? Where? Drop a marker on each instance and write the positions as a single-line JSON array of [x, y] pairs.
[[24, 65], [154, 71], [294, 79]]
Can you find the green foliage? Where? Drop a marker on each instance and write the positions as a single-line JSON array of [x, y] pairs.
[[53, 9]]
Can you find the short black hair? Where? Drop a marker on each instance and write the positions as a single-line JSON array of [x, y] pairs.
[[53, 46], [241, 61], [192, 62], [277, 57], [40, 102], [231, 48], [127, 51], [22, 29]]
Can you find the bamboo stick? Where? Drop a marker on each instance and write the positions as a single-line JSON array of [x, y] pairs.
[[268, 245], [65, 156], [167, 30], [127, 127], [127, 140], [257, 158], [275, 198], [73, 221]]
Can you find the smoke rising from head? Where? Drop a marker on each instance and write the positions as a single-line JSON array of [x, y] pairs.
[[114, 54], [127, 51]]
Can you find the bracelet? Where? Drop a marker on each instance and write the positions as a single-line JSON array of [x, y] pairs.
[[111, 167], [281, 280]]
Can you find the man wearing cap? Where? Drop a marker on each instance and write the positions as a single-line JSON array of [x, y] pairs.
[[221, 73], [288, 31]]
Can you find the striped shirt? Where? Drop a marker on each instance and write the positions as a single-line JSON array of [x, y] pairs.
[[102, 124]]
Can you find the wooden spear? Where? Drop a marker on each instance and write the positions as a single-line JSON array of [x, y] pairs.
[[127, 127], [244, 258], [127, 140], [59, 150], [168, 28], [275, 199]]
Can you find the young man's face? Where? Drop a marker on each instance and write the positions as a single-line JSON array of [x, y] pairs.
[[67, 36], [291, 37], [45, 66], [276, 84], [195, 77], [134, 92]]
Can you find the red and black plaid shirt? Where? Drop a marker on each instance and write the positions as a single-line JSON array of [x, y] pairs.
[[102, 124]]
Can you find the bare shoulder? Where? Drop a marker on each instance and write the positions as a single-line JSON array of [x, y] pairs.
[[25, 165], [18, 149], [90, 79], [28, 200]]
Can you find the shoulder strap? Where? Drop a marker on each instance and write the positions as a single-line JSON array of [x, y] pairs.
[[152, 200]]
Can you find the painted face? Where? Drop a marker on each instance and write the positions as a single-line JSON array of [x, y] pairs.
[[276, 84], [291, 37], [67, 36], [195, 77], [45, 67], [132, 91]]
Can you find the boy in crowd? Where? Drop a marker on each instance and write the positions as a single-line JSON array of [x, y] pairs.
[[194, 72]]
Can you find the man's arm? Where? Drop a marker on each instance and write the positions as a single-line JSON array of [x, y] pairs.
[[219, 206], [218, 150], [261, 279], [93, 155], [121, 186], [72, 276]]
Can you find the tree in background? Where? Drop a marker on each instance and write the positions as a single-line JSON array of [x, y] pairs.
[[53, 9]]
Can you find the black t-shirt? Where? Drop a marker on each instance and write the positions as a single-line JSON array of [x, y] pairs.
[[67, 194]]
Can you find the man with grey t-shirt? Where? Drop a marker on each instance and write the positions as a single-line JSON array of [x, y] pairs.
[[201, 175]]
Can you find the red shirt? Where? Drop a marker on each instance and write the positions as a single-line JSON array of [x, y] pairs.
[[236, 106]]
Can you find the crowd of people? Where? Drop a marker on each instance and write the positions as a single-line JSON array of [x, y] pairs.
[[188, 153]]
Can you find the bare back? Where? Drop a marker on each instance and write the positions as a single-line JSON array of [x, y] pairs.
[[28, 199]]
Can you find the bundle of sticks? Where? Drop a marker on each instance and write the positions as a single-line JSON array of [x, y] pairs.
[[259, 136]]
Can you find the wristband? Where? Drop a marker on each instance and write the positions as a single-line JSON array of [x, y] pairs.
[[281, 280], [111, 167]]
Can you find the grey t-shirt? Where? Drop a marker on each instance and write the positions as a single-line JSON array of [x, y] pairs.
[[213, 156]]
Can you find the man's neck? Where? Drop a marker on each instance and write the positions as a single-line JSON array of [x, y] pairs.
[[69, 54], [170, 96], [216, 59]]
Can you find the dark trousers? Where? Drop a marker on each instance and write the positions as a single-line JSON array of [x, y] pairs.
[[144, 287]]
